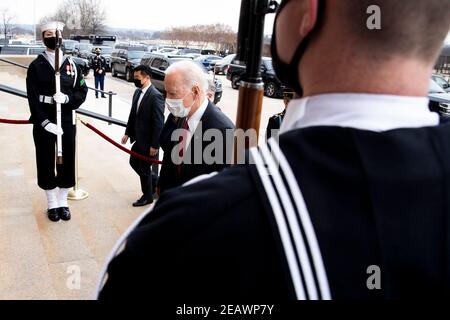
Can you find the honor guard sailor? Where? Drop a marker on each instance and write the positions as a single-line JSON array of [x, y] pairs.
[[354, 200], [42, 98]]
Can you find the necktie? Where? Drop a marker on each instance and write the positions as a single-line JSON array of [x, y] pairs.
[[141, 96], [183, 141]]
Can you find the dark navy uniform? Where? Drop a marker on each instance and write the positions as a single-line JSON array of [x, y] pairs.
[[333, 203], [99, 66], [40, 89], [275, 124]]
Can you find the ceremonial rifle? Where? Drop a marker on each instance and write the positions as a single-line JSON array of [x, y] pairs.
[[59, 156], [249, 54]]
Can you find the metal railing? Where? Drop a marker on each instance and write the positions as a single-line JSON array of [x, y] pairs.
[[109, 93], [90, 114]]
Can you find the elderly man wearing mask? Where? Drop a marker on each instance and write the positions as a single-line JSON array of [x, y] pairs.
[[191, 111]]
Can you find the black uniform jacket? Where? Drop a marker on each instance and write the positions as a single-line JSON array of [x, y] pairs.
[[171, 176], [144, 126], [378, 199], [41, 81], [99, 63]]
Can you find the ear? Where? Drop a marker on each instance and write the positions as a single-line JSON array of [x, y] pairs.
[[309, 20]]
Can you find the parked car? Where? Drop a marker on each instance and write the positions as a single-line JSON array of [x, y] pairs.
[[124, 62], [131, 47], [83, 50], [441, 81], [84, 64], [208, 61], [106, 52], [69, 46], [439, 99], [187, 51], [159, 63], [168, 51], [273, 88], [221, 66], [22, 50]]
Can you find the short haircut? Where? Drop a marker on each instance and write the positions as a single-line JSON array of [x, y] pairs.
[[192, 74], [144, 70], [409, 28]]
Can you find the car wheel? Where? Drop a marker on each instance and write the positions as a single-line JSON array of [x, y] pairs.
[[113, 71], [271, 90], [235, 82], [129, 75]]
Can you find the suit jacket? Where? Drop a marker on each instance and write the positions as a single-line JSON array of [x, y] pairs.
[[171, 175], [144, 126]]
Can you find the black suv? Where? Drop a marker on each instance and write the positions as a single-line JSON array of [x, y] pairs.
[[124, 62], [159, 63], [272, 86]]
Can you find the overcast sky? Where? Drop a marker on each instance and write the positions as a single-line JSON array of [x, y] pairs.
[[146, 14]]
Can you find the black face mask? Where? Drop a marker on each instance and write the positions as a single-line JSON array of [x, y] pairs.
[[50, 43], [138, 83], [288, 72]]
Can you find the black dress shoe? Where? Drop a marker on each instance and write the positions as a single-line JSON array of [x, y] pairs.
[[64, 214], [142, 203], [103, 97], [53, 215]]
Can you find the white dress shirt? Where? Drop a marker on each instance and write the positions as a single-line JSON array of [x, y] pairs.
[[141, 96], [195, 119], [372, 112]]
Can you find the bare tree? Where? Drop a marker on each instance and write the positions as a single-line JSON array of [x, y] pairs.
[[220, 36], [80, 16], [7, 22]]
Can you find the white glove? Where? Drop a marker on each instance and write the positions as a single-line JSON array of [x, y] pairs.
[[53, 128], [61, 98]]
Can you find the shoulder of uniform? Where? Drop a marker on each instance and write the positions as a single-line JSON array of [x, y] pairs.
[[186, 212]]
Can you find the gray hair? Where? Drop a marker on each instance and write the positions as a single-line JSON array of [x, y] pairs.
[[192, 74]]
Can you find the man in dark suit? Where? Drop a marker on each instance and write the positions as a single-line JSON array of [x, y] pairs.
[[191, 111], [144, 128]]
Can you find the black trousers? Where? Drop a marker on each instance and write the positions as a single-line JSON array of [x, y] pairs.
[[45, 143], [146, 175]]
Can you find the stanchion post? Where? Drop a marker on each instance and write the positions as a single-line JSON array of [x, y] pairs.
[[110, 105], [77, 194]]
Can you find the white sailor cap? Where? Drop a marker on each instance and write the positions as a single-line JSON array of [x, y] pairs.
[[52, 25]]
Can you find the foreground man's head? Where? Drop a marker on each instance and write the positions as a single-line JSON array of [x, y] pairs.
[[382, 46]]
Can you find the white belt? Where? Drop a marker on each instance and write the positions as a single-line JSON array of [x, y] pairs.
[[46, 99]]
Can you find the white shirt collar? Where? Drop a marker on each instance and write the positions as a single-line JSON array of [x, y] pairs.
[[195, 119], [370, 112], [144, 90], [50, 56]]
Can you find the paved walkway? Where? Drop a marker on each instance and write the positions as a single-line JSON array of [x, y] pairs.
[[35, 254]]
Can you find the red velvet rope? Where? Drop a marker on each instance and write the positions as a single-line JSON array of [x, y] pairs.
[[8, 121], [132, 153]]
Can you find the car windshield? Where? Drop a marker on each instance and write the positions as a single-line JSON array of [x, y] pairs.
[[435, 88], [85, 47], [135, 54], [70, 45], [106, 50]]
